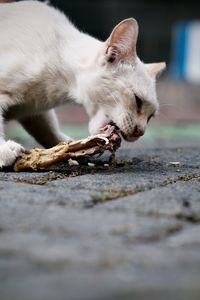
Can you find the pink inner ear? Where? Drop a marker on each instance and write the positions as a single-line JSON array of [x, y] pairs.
[[112, 54], [121, 45]]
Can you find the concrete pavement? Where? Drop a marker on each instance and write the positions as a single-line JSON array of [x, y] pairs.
[[130, 232]]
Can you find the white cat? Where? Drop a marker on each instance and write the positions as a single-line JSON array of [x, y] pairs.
[[45, 61]]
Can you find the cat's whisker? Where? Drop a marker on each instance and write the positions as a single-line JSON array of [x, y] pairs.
[[115, 99], [164, 116], [168, 104]]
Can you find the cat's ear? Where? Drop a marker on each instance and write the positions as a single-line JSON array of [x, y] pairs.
[[121, 45], [155, 69]]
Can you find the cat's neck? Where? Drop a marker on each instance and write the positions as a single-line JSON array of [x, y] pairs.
[[81, 52], [79, 62]]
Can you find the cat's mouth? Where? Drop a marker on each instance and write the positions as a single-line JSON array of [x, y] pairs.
[[129, 138]]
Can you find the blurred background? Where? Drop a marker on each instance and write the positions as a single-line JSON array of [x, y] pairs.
[[168, 31]]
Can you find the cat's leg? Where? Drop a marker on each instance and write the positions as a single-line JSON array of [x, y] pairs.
[[44, 128], [9, 150]]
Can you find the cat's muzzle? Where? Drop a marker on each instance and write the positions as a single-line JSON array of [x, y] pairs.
[[137, 132]]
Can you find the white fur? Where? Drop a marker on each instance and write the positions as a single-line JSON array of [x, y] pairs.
[[45, 61]]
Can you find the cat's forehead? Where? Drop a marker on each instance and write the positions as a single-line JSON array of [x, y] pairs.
[[136, 78]]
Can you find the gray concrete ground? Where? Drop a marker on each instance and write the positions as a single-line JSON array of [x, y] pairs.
[[129, 232]]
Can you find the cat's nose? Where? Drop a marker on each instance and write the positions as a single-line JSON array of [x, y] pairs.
[[138, 131]]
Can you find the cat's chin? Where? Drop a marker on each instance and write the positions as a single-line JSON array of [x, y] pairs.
[[129, 138]]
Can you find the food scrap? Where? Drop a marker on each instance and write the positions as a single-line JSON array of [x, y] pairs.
[[39, 159]]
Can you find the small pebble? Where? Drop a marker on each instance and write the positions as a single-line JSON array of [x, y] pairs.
[[73, 162], [91, 164], [174, 163]]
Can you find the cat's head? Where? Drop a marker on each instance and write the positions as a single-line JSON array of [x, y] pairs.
[[125, 91]]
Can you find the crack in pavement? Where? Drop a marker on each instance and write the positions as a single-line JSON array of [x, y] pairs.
[[109, 194]]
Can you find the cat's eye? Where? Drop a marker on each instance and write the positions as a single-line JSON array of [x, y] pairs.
[[138, 102], [149, 118]]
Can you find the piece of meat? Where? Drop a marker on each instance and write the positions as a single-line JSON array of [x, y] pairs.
[[38, 159]]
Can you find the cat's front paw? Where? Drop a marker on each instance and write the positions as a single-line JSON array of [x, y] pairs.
[[65, 138], [9, 151]]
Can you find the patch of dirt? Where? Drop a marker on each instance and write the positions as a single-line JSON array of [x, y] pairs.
[[40, 180], [191, 217], [110, 194], [188, 177], [72, 171]]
